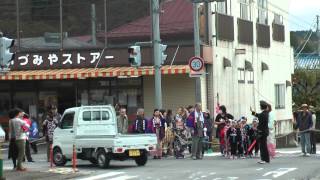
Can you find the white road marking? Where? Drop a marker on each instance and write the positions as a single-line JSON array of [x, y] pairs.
[[125, 177], [203, 176], [213, 173], [233, 178], [214, 154], [259, 169], [217, 179], [105, 175], [279, 172]]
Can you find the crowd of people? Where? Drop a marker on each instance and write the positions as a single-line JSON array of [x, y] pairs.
[[192, 128], [305, 122], [24, 134], [189, 128]]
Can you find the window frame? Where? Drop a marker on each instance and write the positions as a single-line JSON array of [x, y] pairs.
[[241, 76], [245, 5], [263, 10], [222, 7], [278, 19], [250, 77], [280, 96], [92, 115]]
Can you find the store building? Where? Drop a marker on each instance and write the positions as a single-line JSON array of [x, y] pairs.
[[246, 46]]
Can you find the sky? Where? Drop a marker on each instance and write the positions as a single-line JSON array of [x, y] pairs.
[[303, 13]]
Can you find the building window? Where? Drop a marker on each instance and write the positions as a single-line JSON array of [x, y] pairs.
[[241, 75], [250, 77], [222, 7], [280, 94], [262, 11], [245, 10], [278, 19]]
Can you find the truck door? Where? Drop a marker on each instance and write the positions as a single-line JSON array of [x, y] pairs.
[[67, 133]]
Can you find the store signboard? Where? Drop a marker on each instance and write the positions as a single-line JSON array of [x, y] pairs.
[[59, 59]]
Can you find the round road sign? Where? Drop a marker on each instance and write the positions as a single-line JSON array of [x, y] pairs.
[[196, 64]]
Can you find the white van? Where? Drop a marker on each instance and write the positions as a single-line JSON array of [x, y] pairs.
[[93, 131]]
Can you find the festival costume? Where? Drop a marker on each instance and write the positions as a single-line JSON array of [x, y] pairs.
[[157, 126], [233, 141]]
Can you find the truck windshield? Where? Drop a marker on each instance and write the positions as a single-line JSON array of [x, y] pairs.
[[67, 121]]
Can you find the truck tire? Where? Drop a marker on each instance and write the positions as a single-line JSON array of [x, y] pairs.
[[58, 158], [103, 160], [142, 160]]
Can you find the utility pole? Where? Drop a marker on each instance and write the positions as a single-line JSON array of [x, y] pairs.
[[197, 46], [93, 24], [18, 23], [155, 10], [61, 27], [318, 33], [105, 24]]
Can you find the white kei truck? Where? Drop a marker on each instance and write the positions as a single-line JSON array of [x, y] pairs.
[[94, 133]]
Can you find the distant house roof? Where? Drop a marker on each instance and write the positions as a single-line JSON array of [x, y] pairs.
[[40, 43], [176, 19], [307, 61]]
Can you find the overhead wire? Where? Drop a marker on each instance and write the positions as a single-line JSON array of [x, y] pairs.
[[304, 45], [297, 17]]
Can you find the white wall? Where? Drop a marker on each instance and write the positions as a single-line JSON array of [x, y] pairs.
[[239, 97]]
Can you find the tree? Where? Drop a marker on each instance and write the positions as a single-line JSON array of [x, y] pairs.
[[306, 87]]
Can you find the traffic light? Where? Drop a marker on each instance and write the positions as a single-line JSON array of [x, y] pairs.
[[134, 56], [5, 55], [162, 53]]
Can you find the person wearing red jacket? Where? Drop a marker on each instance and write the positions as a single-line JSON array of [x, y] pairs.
[[27, 148]]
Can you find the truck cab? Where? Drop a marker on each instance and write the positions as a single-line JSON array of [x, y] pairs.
[[91, 131]]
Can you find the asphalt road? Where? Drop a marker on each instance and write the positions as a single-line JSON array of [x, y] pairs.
[[288, 165]]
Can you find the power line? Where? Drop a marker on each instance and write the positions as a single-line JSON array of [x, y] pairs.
[[307, 34], [304, 45], [297, 17], [288, 19]]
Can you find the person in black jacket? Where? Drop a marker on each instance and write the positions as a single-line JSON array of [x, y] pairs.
[[263, 131], [220, 121]]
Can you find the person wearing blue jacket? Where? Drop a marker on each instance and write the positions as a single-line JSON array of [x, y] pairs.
[[34, 135]]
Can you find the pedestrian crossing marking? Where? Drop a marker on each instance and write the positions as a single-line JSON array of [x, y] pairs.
[[103, 176], [63, 171], [125, 177]]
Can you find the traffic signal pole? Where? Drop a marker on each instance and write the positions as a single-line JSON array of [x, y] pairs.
[[155, 10]]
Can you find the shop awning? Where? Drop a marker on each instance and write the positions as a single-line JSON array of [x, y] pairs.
[[52, 74]]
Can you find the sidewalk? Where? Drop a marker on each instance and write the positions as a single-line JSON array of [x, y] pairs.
[[294, 150], [34, 175]]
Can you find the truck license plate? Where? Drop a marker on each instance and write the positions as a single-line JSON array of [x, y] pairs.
[[133, 153]]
